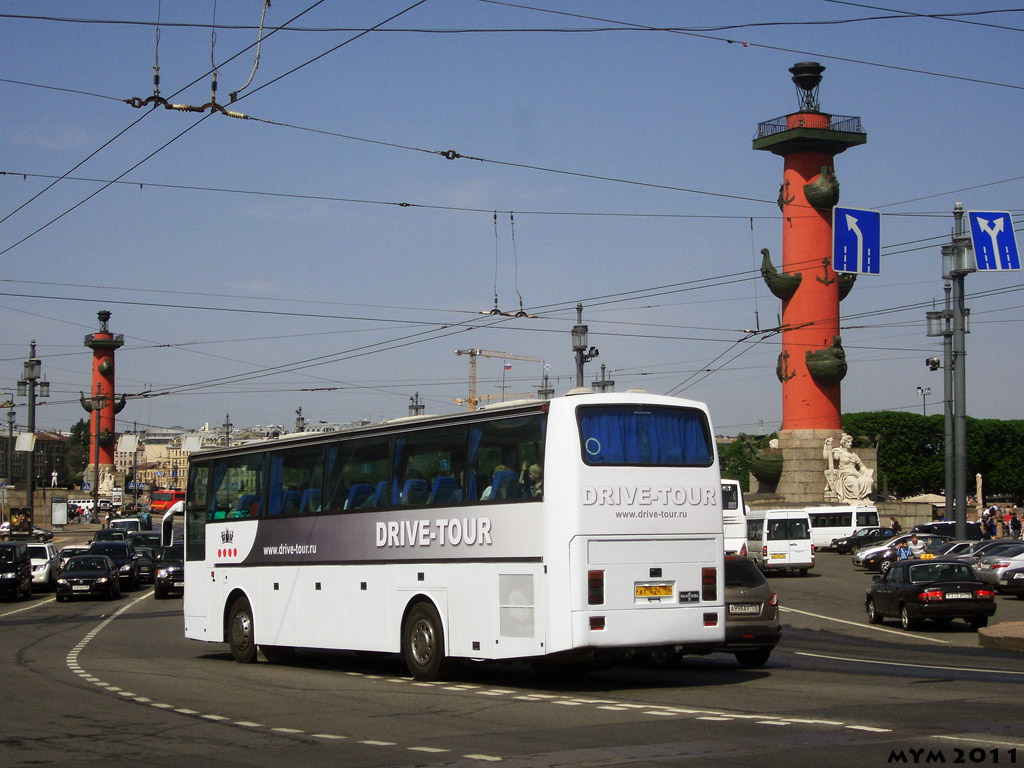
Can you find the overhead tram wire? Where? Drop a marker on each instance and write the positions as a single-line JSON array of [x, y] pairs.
[[764, 46], [112, 140], [891, 15]]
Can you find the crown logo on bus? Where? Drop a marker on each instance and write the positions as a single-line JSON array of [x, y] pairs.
[[227, 536]]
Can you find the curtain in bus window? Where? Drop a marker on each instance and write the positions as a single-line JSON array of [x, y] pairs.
[[644, 436], [476, 433], [221, 503], [275, 482]]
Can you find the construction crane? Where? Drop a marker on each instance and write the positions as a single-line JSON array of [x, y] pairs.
[[472, 401]]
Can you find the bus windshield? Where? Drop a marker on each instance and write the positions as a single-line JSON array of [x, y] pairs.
[[644, 435]]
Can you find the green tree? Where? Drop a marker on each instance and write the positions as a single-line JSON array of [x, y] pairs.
[[911, 451], [79, 443]]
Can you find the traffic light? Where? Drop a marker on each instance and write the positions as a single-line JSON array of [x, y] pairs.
[[933, 363]]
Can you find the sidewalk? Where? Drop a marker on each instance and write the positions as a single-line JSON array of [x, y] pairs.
[[1008, 636]]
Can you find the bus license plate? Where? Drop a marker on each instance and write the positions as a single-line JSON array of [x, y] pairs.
[[653, 590], [958, 595], [744, 608]]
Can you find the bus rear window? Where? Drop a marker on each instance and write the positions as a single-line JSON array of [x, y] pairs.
[[628, 435]]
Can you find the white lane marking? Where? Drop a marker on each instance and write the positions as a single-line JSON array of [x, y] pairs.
[[427, 749], [486, 758], [939, 667], [28, 607], [872, 627], [649, 709], [1016, 744]]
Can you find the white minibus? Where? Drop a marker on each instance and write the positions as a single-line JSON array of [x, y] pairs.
[[780, 539]]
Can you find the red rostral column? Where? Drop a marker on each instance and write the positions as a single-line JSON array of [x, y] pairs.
[[812, 362], [101, 401]]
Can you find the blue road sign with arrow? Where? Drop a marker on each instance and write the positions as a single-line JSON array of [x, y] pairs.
[[995, 246], [856, 241]]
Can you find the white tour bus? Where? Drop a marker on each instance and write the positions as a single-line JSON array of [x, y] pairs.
[[831, 523], [585, 526], [734, 517]]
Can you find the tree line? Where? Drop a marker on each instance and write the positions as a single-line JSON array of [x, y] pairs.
[[911, 452]]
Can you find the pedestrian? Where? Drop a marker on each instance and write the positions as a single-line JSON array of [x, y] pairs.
[[916, 546], [903, 551], [1015, 526], [895, 525]]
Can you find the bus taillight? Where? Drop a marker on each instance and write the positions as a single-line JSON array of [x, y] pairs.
[[709, 584], [595, 587]]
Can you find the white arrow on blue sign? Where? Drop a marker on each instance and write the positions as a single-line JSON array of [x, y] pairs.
[[856, 241], [995, 246]]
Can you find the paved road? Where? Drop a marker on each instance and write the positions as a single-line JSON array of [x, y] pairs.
[[92, 683]]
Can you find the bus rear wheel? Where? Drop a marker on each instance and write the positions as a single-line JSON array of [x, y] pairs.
[[240, 632], [423, 644]]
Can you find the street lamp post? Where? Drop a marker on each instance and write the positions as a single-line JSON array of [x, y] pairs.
[[923, 393], [30, 379], [579, 345], [10, 442], [98, 403]]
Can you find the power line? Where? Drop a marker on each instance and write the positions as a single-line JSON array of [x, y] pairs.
[[748, 44]]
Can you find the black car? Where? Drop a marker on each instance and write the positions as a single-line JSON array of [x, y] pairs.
[[89, 576], [862, 537], [15, 570], [150, 539], [147, 564], [752, 627], [884, 559], [948, 528], [170, 572], [941, 589], [124, 558], [109, 534]]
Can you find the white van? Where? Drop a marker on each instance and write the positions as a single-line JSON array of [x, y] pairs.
[[831, 523], [734, 517], [780, 539]]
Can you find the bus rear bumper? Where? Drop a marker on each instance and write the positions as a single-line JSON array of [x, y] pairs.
[[649, 627]]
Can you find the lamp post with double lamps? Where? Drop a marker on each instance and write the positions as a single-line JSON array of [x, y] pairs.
[[30, 379], [579, 345]]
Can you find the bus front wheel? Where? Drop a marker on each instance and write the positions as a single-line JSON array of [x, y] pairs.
[[423, 643], [240, 632]]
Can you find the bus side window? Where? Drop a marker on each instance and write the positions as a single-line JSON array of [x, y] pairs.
[[237, 487], [430, 465], [294, 475], [358, 473], [497, 451]]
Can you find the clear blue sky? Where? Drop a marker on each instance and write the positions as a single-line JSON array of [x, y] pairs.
[[326, 255]]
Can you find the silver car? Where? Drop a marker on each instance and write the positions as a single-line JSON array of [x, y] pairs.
[[991, 567]]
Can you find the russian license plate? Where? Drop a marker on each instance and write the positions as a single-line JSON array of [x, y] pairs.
[[653, 590], [744, 608], [79, 587], [780, 556], [958, 595]]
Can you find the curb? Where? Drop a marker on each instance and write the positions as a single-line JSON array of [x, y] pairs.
[[1008, 636]]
